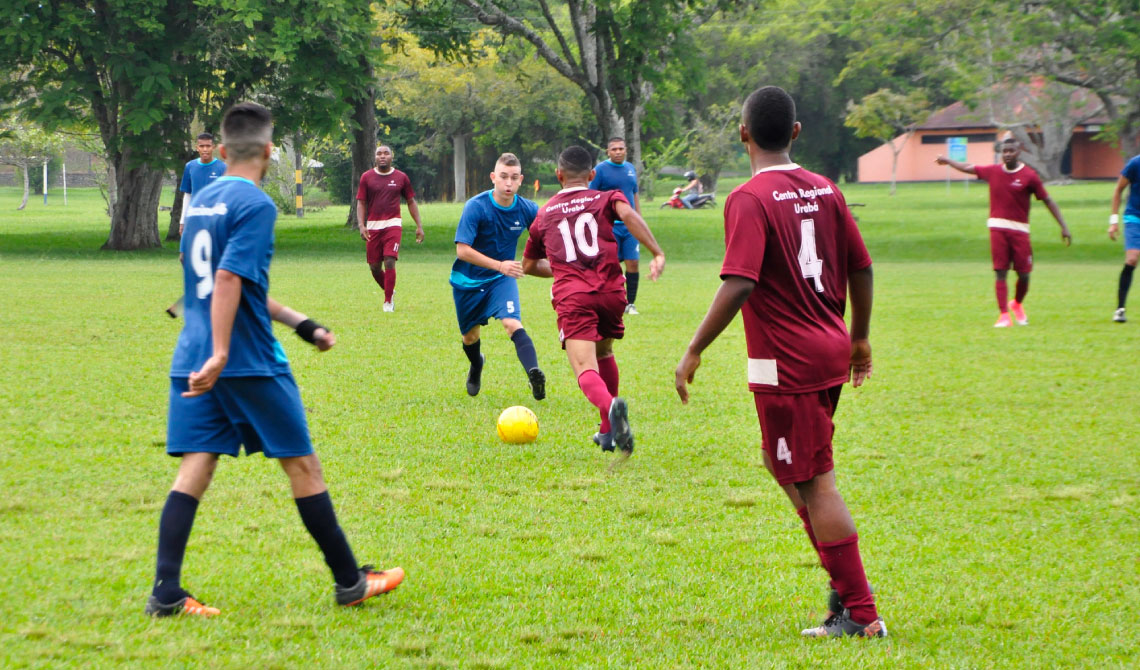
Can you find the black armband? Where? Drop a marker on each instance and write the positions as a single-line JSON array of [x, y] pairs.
[[307, 328]]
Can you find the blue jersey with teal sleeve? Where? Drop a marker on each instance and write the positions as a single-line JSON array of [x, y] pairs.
[[492, 230], [229, 227], [610, 176], [1131, 172], [198, 175]]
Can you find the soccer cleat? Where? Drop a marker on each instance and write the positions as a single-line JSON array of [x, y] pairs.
[[631, 309], [619, 425], [475, 377], [1118, 315], [835, 606], [604, 440], [372, 583], [389, 307], [1004, 321], [185, 605], [537, 383], [844, 626], [1018, 313]]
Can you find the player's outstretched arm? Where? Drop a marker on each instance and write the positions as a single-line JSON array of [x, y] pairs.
[[860, 286], [1114, 215], [307, 329], [968, 168], [729, 298], [537, 267], [468, 254], [640, 230], [1056, 212], [223, 308], [414, 210]]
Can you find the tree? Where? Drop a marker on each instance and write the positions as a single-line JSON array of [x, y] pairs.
[[25, 146], [713, 144], [888, 116]]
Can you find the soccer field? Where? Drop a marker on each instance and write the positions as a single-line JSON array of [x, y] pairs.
[[993, 474]]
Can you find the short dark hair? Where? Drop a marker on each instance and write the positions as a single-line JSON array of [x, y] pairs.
[[614, 139], [508, 159], [769, 114], [575, 161], [247, 128], [206, 136], [1011, 140]]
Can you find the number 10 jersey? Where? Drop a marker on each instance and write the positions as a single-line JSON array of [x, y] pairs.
[[790, 231]]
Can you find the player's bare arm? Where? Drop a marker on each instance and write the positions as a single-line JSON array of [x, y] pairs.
[[537, 267], [729, 298], [468, 254], [223, 309], [1114, 215], [414, 210], [860, 288], [362, 219], [1056, 212], [968, 168], [640, 230], [309, 330]]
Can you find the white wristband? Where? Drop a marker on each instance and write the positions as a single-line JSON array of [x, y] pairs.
[[1113, 219]]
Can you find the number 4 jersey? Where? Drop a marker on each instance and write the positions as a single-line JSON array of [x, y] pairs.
[[790, 231], [574, 230], [229, 226]]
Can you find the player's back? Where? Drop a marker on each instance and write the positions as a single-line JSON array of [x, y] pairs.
[[790, 230], [574, 230], [229, 227]]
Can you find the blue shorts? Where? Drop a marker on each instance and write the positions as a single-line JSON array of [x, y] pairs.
[[1131, 232], [628, 248], [263, 413], [497, 299]]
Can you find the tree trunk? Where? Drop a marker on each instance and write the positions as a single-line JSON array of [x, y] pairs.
[[894, 164], [134, 222], [172, 233], [24, 202], [363, 137], [459, 166], [112, 188]]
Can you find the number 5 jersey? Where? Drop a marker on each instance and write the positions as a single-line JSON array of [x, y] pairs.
[[789, 230]]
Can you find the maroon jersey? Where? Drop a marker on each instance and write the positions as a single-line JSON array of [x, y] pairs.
[[1009, 193], [575, 231], [381, 193], [790, 231]]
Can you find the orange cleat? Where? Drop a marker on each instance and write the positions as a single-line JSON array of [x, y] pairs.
[[372, 583], [187, 605], [1018, 313]]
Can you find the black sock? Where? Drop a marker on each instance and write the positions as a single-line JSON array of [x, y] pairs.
[[631, 286], [1125, 284], [524, 347], [173, 533], [472, 351], [319, 517]]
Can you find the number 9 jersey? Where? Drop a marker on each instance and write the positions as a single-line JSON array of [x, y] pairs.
[[229, 226], [574, 230], [789, 230]]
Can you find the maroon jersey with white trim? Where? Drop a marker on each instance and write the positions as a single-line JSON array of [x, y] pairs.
[[790, 231], [574, 230], [1009, 191], [381, 193]]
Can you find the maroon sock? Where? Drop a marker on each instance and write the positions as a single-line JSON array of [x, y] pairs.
[[378, 276], [802, 511], [595, 390], [1021, 289], [389, 283], [608, 369], [1002, 291], [841, 558]]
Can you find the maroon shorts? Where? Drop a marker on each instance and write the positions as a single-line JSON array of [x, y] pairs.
[[590, 316], [1011, 247], [383, 243], [796, 432]]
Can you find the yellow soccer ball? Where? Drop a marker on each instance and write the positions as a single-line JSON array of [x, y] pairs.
[[518, 425]]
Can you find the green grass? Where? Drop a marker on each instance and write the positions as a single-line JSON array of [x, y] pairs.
[[993, 474]]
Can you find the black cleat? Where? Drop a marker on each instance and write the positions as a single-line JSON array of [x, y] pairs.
[[184, 605], [619, 425], [844, 626], [475, 377], [537, 383], [604, 441]]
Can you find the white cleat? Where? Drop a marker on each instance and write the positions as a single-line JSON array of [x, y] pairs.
[[389, 307], [631, 309], [1118, 315]]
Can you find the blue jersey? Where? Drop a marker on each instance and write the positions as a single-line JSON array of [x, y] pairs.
[[1131, 172], [198, 175], [229, 227], [610, 176], [492, 230]]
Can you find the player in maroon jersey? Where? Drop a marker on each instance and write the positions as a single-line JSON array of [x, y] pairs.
[[1010, 186], [378, 218], [792, 255], [572, 240]]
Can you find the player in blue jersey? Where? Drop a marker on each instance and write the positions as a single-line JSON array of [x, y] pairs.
[[199, 173], [615, 174], [1130, 179], [483, 276], [230, 382]]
